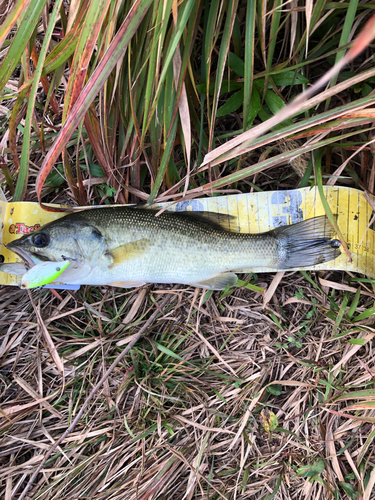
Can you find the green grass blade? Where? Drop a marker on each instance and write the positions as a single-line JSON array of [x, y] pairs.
[[366, 314], [11, 19], [327, 208], [26, 28], [345, 37], [275, 26], [353, 306], [23, 174], [223, 54], [249, 60]]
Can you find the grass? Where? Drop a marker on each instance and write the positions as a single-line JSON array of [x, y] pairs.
[[225, 394]]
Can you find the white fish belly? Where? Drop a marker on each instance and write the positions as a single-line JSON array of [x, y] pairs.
[[177, 262]]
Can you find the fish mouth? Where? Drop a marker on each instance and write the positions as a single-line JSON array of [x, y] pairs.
[[26, 256]]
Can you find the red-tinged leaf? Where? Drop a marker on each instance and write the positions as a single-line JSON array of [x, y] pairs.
[[96, 82], [334, 125], [93, 131], [365, 405], [362, 113], [95, 15], [11, 18], [86, 44], [352, 417], [61, 52], [363, 39]]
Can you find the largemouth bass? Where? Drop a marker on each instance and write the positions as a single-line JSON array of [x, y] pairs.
[[128, 247]]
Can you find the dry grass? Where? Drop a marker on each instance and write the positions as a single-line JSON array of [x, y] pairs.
[[181, 416]]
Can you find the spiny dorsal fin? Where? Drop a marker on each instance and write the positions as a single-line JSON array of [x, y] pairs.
[[221, 221], [145, 205]]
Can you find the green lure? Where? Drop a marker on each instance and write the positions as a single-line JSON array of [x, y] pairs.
[[43, 274]]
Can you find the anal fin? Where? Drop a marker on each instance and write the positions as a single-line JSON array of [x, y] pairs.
[[128, 250], [217, 282]]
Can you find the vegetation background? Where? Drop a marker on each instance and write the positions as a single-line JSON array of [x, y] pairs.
[[265, 390]]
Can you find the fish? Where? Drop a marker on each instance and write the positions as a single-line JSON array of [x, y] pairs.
[[131, 246]]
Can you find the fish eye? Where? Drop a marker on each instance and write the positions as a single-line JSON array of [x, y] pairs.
[[40, 240]]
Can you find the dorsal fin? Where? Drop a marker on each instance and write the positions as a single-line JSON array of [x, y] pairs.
[[222, 221], [226, 222], [218, 220]]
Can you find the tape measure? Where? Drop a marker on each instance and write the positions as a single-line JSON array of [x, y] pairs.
[[254, 213]]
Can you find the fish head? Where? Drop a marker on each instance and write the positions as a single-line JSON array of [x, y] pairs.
[[60, 240]]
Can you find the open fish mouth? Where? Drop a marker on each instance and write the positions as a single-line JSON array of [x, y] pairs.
[[26, 256]]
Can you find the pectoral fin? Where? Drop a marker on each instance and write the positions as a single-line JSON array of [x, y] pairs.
[[217, 282], [17, 268], [125, 252]]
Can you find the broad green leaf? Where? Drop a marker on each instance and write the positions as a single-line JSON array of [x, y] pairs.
[[349, 489], [311, 469], [289, 78], [275, 103], [255, 104], [236, 64], [275, 389], [232, 104]]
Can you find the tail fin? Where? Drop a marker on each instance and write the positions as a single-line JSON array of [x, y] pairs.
[[307, 243]]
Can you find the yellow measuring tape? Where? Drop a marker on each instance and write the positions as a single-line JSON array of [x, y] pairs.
[[255, 213]]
